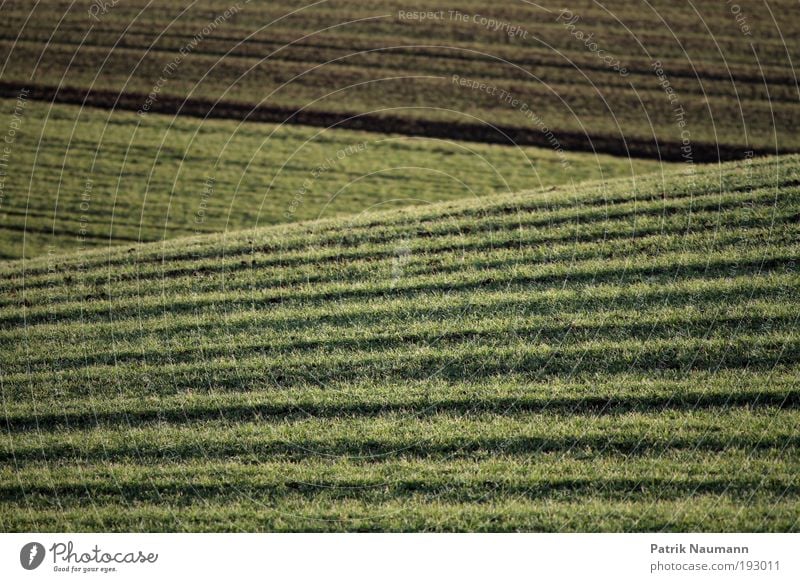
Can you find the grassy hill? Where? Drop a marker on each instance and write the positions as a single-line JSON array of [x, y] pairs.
[[732, 73], [620, 357], [84, 177]]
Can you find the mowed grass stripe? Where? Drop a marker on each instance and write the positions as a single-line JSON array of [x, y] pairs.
[[666, 266], [524, 301], [697, 513], [547, 476], [599, 394], [448, 435], [656, 322], [416, 362]]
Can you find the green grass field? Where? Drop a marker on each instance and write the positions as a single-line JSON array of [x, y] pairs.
[[618, 356], [732, 74], [80, 178]]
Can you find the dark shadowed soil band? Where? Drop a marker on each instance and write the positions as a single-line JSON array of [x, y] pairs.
[[618, 145]]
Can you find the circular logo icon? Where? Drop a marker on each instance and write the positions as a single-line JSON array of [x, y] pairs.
[[31, 555]]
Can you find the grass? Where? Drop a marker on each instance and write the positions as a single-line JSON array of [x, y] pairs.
[[736, 86], [81, 178], [621, 355]]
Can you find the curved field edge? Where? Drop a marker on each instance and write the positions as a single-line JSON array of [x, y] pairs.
[[77, 177]]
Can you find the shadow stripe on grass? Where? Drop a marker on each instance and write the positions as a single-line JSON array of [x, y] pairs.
[[589, 405], [667, 267]]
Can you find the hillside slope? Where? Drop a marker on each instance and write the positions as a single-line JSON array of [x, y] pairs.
[[611, 358]]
